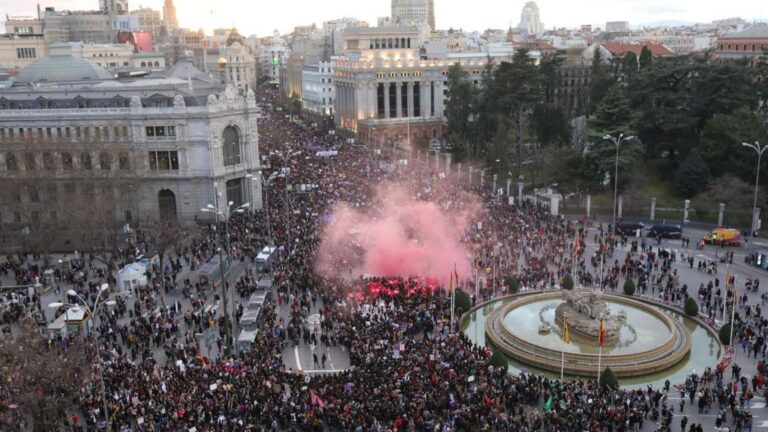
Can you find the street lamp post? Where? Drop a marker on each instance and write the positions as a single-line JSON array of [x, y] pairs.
[[759, 149], [225, 215], [93, 312], [286, 157], [617, 142], [265, 196]]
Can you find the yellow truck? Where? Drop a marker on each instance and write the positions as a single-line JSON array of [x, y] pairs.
[[727, 236]]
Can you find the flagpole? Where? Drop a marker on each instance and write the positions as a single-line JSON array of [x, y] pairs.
[[599, 363], [733, 310], [562, 363], [725, 297]]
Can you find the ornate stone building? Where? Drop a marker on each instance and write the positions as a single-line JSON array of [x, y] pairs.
[[136, 150], [384, 90]]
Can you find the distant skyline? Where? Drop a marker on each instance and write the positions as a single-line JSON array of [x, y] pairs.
[[262, 18]]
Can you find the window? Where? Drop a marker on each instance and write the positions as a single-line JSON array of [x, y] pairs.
[[53, 215], [164, 161], [10, 162], [29, 161], [48, 163], [26, 53], [231, 147], [52, 193], [86, 161], [160, 131], [34, 195], [105, 161], [123, 162]]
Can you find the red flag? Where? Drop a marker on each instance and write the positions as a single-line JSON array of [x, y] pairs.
[[315, 399], [201, 358], [601, 336]]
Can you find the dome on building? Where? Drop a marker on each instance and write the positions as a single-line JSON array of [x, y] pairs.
[[58, 68]]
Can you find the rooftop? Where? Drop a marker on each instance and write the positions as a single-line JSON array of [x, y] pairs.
[[617, 48], [59, 68], [759, 31]]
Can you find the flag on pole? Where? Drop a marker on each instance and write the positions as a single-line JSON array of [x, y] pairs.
[[566, 333], [601, 335], [455, 274], [315, 399], [548, 404]]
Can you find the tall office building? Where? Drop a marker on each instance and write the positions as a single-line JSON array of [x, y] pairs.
[[413, 13], [530, 19], [169, 16]]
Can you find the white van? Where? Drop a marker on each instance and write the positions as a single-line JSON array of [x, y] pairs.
[[264, 258]]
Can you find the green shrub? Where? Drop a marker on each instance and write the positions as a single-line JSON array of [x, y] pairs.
[[463, 301], [567, 282], [725, 334], [629, 287], [498, 360], [608, 379], [513, 286], [690, 307]]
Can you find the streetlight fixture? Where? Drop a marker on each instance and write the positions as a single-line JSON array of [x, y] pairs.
[[225, 215], [759, 149], [617, 142], [267, 182]]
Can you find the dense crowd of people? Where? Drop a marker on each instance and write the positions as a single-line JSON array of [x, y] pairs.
[[412, 370]]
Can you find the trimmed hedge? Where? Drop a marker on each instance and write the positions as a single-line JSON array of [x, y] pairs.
[[609, 379], [498, 360], [629, 287], [725, 334], [567, 282], [513, 285], [690, 307], [463, 301]]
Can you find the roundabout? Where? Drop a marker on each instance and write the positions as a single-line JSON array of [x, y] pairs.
[[645, 342]]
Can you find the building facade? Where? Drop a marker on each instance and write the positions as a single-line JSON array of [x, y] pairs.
[[387, 94], [69, 26], [170, 21], [149, 20], [530, 19], [318, 90], [746, 44], [18, 52], [413, 13], [78, 144]]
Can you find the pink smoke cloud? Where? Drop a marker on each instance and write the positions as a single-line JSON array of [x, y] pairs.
[[399, 235]]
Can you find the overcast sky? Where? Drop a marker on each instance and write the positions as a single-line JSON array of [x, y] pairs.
[[261, 17]]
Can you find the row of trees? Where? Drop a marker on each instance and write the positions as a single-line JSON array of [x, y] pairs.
[[689, 115]]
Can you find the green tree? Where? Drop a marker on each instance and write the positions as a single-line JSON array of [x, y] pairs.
[[629, 66], [721, 143], [691, 307], [693, 175], [459, 110], [602, 80], [646, 58], [629, 287], [614, 116]]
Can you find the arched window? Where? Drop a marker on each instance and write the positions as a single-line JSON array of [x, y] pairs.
[[105, 161], [86, 162], [10, 162], [231, 146], [143, 64], [48, 163], [157, 64]]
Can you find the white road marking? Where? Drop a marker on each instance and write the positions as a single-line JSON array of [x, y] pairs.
[[324, 371], [298, 361], [763, 424]]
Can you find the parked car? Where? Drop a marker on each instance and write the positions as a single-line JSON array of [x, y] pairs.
[[666, 231], [629, 228], [726, 236]]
